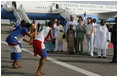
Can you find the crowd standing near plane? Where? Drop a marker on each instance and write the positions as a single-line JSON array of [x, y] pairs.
[[50, 38]]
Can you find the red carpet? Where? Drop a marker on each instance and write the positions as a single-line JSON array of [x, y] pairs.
[[110, 45]]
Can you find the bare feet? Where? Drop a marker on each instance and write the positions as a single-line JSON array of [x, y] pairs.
[[39, 74], [19, 66], [42, 73], [16, 66]]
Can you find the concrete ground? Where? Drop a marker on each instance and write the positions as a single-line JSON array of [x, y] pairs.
[[99, 66]]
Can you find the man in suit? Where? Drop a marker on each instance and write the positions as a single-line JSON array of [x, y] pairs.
[[113, 30]]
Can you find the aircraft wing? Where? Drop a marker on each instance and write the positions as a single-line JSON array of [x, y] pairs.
[[107, 15]]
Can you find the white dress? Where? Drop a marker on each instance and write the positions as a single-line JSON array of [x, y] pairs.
[[58, 45], [102, 35]]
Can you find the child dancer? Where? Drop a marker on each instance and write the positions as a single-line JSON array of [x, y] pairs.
[[39, 47], [14, 41]]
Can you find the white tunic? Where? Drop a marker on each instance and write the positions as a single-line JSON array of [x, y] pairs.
[[95, 28], [102, 35], [42, 35], [58, 45], [89, 28]]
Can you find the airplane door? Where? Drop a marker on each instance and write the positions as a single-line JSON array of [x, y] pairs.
[[55, 6], [14, 4]]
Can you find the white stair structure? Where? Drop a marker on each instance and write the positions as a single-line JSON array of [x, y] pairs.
[[65, 13], [20, 14]]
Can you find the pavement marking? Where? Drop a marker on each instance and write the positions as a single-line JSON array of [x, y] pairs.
[[77, 69]]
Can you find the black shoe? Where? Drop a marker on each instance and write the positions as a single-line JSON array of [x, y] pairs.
[[94, 53], [61, 50], [51, 51], [113, 62], [104, 57], [57, 51], [99, 57]]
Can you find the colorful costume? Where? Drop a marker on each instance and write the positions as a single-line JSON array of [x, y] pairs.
[[34, 26], [14, 41], [71, 42], [38, 43]]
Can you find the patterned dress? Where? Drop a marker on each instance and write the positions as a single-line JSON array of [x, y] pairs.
[[70, 38], [34, 26]]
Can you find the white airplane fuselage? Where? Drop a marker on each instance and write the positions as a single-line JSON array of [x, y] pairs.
[[46, 7]]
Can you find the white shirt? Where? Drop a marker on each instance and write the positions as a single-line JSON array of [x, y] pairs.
[[89, 28], [42, 35]]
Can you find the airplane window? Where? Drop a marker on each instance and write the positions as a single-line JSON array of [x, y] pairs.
[[57, 6]]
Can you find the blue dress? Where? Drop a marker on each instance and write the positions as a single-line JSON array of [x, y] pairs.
[[49, 45], [14, 41], [17, 27]]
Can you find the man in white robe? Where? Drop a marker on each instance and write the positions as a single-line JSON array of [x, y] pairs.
[[59, 37], [102, 38], [55, 22], [73, 22], [95, 28]]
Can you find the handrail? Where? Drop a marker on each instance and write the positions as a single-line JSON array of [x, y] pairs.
[[68, 13], [22, 10], [17, 15]]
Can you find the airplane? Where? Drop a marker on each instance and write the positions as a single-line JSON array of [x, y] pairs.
[[49, 10]]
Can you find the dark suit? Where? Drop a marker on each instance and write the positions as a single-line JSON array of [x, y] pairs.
[[114, 41]]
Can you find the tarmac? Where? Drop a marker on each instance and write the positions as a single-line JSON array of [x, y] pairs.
[[57, 64]]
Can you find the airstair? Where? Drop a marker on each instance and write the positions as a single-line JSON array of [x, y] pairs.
[[65, 13], [20, 14]]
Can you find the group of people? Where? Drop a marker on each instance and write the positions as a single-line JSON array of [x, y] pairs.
[[96, 36], [50, 38], [14, 41], [58, 32]]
